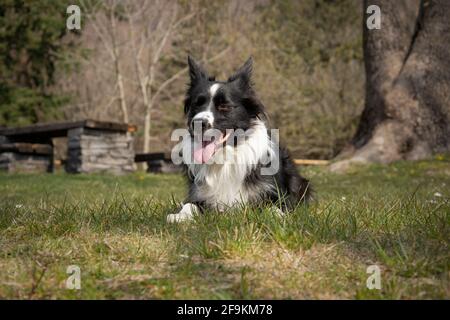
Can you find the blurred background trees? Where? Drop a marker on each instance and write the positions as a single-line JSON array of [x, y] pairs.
[[31, 44], [129, 64]]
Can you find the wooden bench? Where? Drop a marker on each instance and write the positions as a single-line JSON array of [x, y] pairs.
[[158, 162], [92, 146], [26, 157]]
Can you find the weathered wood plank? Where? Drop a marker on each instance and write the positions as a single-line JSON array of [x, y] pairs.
[[143, 157], [311, 162], [52, 129], [22, 147], [60, 129]]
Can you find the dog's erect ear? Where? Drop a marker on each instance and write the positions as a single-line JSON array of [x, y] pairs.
[[244, 74], [196, 72]]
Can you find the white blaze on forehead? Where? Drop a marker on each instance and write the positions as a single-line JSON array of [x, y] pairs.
[[213, 89], [208, 115]]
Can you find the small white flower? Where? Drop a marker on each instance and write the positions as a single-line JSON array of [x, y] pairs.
[[437, 194], [343, 198], [18, 206]]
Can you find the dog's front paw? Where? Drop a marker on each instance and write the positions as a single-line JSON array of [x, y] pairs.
[[186, 214], [277, 212], [178, 217]]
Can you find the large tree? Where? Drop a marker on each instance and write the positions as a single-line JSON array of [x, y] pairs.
[[407, 104]]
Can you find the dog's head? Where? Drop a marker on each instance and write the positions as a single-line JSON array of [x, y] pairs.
[[219, 106]]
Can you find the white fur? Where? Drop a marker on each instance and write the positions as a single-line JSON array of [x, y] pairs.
[[213, 89], [222, 184], [186, 213], [204, 115], [208, 115], [277, 211]]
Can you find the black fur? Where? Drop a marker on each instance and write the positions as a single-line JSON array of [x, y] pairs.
[[235, 107]]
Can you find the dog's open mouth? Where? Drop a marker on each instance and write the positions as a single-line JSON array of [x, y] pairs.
[[205, 150]]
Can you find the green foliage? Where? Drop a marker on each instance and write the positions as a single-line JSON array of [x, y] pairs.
[[31, 35], [317, 31]]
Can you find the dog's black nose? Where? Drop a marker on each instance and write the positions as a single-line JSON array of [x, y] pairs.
[[201, 124]]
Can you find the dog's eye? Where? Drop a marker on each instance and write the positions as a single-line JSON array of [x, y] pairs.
[[200, 100], [223, 108]]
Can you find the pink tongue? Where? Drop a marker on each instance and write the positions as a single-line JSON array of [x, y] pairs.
[[204, 152]]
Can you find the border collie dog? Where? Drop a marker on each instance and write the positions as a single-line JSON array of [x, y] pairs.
[[230, 155]]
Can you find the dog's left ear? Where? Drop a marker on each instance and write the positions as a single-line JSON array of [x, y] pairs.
[[244, 75], [196, 71]]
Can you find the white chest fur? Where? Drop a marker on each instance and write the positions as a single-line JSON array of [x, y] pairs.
[[222, 184]]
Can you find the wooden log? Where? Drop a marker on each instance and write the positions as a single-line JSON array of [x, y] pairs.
[[3, 139], [22, 147], [311, 162], [145, 157], [37, 132]]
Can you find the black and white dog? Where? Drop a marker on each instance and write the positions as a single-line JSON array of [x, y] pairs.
[[230, 155]]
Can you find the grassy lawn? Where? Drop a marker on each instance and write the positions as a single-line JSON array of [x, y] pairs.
[[114, 229]]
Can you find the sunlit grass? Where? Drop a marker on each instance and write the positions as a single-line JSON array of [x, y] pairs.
[[114, 229]]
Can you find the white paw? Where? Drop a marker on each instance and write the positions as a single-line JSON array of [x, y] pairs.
[[186, 213], [277, 211]]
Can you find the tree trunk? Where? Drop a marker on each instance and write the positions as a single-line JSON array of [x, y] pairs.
[[407, 104], [147, 128]]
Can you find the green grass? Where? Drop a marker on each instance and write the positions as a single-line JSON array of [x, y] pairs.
[[114, 229]]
